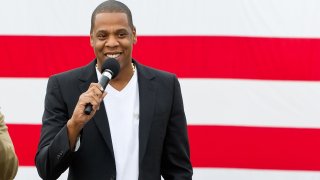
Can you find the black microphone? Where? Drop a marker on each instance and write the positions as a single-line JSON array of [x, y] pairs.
[[109, 70]]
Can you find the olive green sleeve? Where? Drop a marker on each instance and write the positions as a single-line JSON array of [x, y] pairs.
[[8, 158]]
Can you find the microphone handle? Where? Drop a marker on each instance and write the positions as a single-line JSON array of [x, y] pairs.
[[88, 109], [104, 81]]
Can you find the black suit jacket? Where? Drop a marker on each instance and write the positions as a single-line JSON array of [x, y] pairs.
[[163, 140]]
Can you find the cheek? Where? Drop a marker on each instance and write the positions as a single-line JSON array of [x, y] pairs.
[[128, 44], [98, 46]]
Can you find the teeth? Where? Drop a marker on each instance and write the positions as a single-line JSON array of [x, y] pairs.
[[113, 55]]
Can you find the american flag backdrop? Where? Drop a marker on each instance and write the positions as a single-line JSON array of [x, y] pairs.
[[249, 72]]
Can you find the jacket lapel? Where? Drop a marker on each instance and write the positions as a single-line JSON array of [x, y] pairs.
[[100, 118], [147, 96]]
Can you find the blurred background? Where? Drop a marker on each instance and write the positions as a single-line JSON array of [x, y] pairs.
[[249, 72]]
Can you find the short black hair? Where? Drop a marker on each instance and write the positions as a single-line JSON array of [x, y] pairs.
[[111, 6]]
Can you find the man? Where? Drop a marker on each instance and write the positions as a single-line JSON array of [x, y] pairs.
[[137, 129], [8, 158]]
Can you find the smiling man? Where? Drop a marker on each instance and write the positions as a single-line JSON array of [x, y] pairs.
[[137, 129]]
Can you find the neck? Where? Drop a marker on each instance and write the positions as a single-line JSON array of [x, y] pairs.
[[123, 78]]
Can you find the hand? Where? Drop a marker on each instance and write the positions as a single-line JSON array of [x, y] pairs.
[[94, 95]]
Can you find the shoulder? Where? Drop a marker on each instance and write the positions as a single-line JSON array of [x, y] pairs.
[[3, 127], [153, 72], [163, 80], [8, 159], [77, 73], [70, 73]]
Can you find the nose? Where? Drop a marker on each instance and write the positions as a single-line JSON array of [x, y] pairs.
[[112, 41]]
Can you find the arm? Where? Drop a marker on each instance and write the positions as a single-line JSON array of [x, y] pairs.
[[176, 154], [59, 133], [8, 158], [54, 155]]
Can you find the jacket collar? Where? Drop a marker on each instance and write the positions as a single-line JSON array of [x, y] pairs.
[[147, 96]]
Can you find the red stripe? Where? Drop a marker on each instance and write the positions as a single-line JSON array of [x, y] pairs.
[[255, 147], [187, 56], [221, 146], [25, 139]]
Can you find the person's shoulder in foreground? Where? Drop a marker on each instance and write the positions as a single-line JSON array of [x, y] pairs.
[[8, 158]]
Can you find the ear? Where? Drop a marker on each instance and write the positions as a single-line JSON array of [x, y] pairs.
[[134, 33], [91, 40]]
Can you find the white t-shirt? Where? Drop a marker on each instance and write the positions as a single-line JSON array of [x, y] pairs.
[[122, 109]]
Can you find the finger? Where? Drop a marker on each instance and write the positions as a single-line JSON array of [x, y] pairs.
[[92, 96], [88, 98], [104, 95], [96, 94], [94, 100], [96, 85], [95, 90]]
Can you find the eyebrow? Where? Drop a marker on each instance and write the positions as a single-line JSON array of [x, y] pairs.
[[117, 31]]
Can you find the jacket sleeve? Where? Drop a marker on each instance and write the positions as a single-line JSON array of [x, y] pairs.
[[8, 158], [53, 156], [176, 153]]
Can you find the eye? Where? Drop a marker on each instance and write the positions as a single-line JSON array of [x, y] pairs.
[[122, 34], [101, 36]]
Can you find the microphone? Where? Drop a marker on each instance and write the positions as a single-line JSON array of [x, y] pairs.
[[109, 70]]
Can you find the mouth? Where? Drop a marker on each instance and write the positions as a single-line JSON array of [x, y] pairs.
[[113, 55]]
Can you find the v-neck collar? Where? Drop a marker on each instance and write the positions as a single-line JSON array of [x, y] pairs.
[[125, 90]]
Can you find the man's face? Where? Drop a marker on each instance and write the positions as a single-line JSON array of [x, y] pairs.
[[112, 37]]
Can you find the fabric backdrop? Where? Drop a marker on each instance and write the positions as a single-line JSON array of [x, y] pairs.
[[249, 72]]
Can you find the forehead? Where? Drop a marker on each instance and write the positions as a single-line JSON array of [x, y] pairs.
[[111, 19]]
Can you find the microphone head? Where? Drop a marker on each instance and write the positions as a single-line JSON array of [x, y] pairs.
[[111, 64]]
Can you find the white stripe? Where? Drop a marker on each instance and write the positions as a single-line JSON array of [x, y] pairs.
[[276, 18], [206, 101], [249, 174], [22, 99], [210, 174], [25, 172], [251, 102]]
